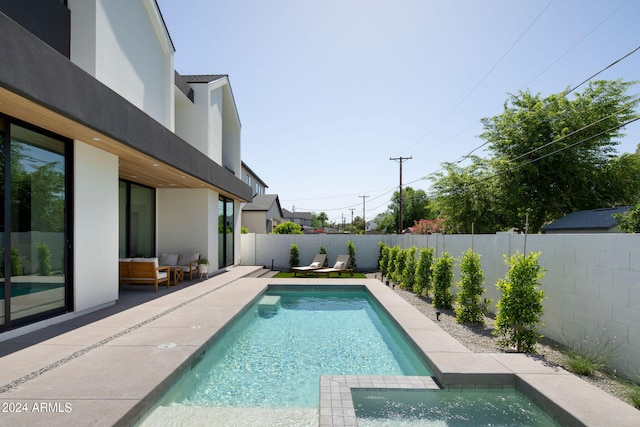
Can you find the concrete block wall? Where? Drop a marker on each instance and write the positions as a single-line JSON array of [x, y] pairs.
[[592, 281]]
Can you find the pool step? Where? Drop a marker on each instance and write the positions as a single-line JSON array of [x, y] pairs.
[[268, 305]]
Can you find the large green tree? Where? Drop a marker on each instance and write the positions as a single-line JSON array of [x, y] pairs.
[[415, 206], [548, 157]]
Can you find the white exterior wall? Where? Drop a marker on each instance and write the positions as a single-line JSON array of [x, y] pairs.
[[187, 221], [123, 44], [191, 118], [214, 147], [231, 134], [592, 281], [95, 227]]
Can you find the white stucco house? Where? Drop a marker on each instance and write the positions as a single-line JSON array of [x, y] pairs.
[[112, 154]]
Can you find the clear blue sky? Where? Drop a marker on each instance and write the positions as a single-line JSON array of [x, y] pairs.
[[329, 90]]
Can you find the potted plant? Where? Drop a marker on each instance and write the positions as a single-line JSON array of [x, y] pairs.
[[203, 265]]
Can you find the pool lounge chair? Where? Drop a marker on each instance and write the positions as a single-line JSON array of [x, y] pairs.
[[317, 263], [341, 266]]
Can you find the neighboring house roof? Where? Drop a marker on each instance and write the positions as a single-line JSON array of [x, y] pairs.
[[300, 215], [594, 220], [263, 202]]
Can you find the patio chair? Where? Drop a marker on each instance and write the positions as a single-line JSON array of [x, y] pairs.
[[317, 263], [341, 266]]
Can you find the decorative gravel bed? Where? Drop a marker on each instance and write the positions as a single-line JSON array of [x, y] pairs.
[[480, 340]]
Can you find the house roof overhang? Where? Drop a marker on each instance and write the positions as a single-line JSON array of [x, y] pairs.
[[42, 87]]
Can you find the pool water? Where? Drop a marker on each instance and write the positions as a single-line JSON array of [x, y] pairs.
[[274, 355], [435, 408]]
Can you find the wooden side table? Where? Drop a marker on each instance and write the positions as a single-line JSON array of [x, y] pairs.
[[178, 275]]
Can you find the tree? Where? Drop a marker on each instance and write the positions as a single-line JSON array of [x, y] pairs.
[[471, 308], [427, 226], [467, 195], [294, 256], [629, 222], [410, 265], [548, 157], [288, 228], [415, 206], [318, 220], [422, 284], [383, 257], [520, 308], [394, 255], [323, 251], [554, 152], [442, 281], [351, 248]]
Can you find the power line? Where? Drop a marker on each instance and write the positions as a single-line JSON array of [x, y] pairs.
[[522, 121], [484, 77]]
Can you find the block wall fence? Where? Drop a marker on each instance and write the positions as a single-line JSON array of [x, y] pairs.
[[592, 281]]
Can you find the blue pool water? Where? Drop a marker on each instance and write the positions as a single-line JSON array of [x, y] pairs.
[[436, 408], [274, 355]]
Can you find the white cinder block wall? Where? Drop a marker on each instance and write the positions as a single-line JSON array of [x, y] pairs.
[[592, 281]]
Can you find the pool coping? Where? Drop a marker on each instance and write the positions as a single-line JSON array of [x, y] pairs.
[[110, 371]]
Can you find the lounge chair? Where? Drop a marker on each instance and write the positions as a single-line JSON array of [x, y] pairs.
[[341, 266], [317, 263]]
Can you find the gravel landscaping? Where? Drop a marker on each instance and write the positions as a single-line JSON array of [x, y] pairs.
[[480, 340]]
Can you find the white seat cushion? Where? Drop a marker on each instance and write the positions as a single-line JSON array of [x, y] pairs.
[[162, 274], [168, 259], [186, 257]]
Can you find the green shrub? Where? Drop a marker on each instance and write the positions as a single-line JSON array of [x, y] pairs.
[[16, 264], [323, 250], [470, 307], [383, 258], [44, 259], [288, 228], [394, 253], [400, 264], [409, 273], [424, 268], [520, 307], [351, 248], [244, 230], [442, 281], [294, 255]]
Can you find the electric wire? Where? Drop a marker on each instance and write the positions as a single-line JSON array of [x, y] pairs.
[[461, 159]]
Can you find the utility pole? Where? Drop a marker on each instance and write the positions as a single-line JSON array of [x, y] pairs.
[[364, 225], [352, 209], [400, 160]]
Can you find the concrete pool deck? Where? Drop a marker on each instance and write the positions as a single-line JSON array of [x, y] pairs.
[[108, 367]]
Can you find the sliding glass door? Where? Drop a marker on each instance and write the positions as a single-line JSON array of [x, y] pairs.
[[225, 232], [34, 235]]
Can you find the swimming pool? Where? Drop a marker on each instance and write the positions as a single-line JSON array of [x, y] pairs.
[[274, 354]]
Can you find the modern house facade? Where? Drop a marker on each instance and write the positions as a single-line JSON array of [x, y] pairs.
[[108, 153], [258, 186]]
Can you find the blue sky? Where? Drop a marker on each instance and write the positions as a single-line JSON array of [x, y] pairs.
[[329, 90]]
